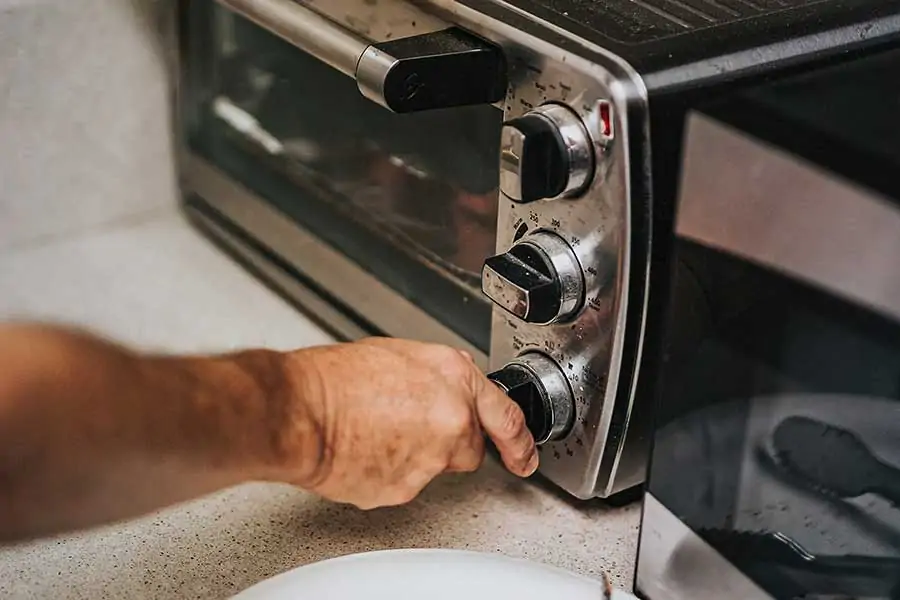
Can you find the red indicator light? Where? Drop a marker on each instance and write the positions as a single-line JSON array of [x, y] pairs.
[[606, 124]]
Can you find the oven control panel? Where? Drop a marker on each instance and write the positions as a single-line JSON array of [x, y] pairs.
[[560, 277]]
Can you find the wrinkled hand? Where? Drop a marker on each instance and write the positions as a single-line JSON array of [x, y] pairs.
[[395, 414]]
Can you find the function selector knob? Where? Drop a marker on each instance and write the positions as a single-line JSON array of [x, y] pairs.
[[537, 384], [539, 279], [545, 153]]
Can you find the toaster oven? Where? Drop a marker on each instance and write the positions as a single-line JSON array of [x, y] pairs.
[[497, 175], [775, 469]]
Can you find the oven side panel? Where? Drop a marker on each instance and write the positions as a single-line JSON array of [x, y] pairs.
[[785, 305]]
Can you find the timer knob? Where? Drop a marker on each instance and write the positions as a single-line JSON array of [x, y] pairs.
[[537, 384], [539, 279], [545, 153]]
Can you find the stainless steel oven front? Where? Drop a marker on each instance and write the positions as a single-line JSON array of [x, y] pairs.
[[355, 155]]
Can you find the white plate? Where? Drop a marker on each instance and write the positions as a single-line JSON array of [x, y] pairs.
[[429, 575]]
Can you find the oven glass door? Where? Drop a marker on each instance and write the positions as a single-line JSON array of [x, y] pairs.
[[778, 438], [410, 198]]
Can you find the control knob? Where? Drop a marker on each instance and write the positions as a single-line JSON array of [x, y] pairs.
[[537, 384], [545, 153], [539, 279]]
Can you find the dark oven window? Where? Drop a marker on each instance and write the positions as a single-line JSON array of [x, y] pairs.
[[779, 439], [411, 198]]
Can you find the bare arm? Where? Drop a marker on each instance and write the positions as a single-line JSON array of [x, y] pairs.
[[91, 432]]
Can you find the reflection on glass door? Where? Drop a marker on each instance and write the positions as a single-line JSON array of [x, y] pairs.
[[411, 198], [780, 438]]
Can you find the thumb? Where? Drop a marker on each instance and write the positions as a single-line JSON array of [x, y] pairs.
[[504, 423]]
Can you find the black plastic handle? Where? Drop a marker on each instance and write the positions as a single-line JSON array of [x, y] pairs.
[[442, 69]]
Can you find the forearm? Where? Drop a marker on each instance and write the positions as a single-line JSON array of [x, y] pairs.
[[91, 433]]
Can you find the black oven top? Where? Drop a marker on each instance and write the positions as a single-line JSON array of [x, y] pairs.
[[642, 21], [844, 118], [656, 35]]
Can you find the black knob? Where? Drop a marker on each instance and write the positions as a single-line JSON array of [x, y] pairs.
[[540, 388], [534, 159], [442, 69], [546, 153], [522, 284], [539, 279]]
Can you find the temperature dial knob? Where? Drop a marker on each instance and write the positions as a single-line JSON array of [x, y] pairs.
[[539, 279], [537, 384], [546, 153]]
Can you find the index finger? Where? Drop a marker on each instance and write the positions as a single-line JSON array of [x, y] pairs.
[[504, 422]]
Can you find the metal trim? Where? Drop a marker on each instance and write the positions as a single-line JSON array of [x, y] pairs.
[[319, 37], [372, 71], [762, 204], [674, 562], [349, 283]]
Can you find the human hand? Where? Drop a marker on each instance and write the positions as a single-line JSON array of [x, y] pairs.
[[393, 414]]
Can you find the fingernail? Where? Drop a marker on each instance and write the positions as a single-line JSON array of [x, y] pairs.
[[533, 464]]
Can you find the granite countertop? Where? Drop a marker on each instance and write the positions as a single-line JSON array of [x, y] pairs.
[[151, 281]]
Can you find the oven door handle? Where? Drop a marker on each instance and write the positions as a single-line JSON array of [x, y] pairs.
[[441, 69]]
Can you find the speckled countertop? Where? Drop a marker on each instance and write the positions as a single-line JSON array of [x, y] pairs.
[[217, 547], [151, 281], [89, 234]]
